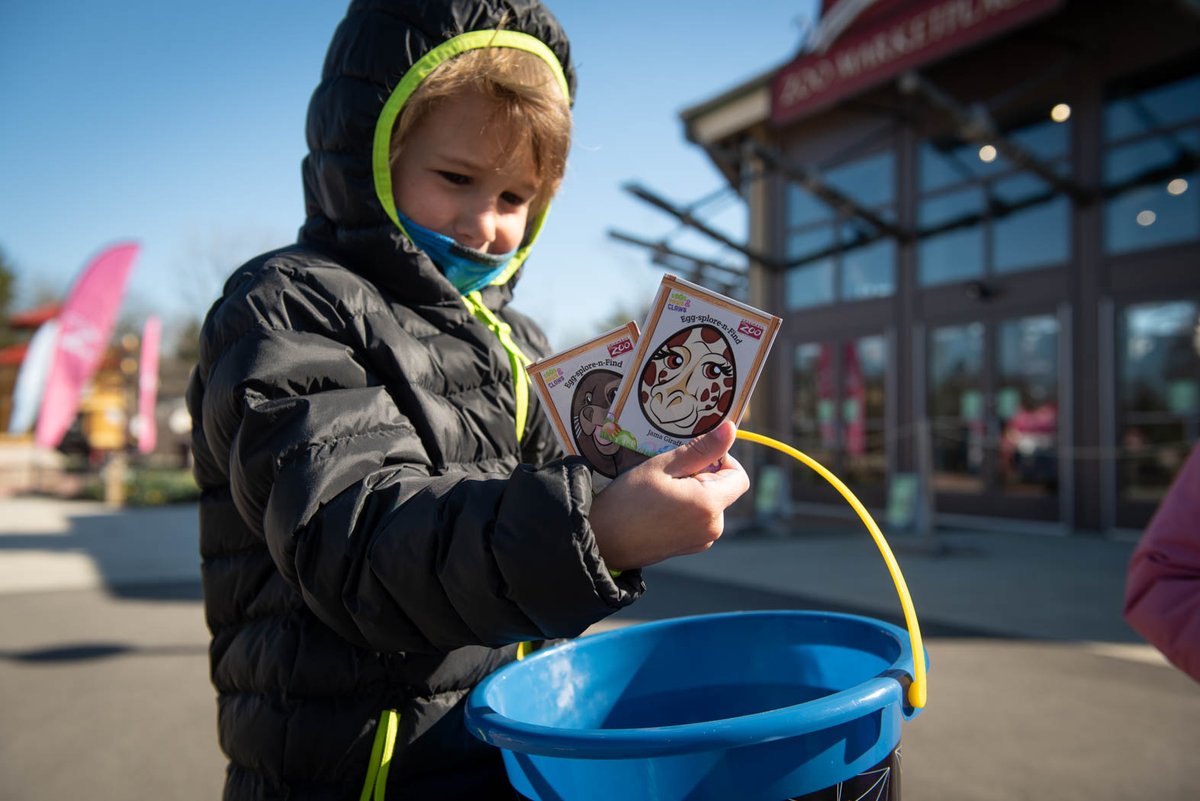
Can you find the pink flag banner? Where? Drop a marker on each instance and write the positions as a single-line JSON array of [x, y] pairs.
[[147, 431], [85, 325]]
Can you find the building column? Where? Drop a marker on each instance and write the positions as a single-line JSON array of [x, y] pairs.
[[1091, 388]]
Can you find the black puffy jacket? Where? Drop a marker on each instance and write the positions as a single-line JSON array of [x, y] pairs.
[[374, 535]]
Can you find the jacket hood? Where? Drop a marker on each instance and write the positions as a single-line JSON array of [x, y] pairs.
[[380, 52]]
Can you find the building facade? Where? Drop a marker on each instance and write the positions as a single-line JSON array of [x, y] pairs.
[[980, 221]]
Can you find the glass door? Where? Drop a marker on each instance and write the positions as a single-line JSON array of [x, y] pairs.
[[864, 411], [1158, 401], [956, 421], [1026, 406], [993, 406], [839, 415]]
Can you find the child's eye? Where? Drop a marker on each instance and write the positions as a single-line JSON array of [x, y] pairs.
[[458, 179], [512, 199]]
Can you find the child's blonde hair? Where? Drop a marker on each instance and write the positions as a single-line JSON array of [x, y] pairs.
[[526, 100]]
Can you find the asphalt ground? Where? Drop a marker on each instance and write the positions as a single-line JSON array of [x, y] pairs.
[[1036, 688]]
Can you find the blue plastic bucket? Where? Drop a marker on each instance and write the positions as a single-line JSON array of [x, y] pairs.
[[746, 705]]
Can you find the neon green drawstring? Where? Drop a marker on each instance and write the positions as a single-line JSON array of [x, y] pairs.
[[375, 787], [518, 360]]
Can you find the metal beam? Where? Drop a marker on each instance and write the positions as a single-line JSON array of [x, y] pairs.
[[696, 274], [688, 219], [812, 180], [974, 124], [661, 248], [996, 209], [693, 268]]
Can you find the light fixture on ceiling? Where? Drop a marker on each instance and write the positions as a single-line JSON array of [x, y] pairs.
[[987, 154], [1060, 113]]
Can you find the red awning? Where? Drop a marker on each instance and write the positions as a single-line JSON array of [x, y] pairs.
[[32, 318], [13, 354]]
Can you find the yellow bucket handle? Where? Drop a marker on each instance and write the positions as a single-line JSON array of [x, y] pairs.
[[917, 691]]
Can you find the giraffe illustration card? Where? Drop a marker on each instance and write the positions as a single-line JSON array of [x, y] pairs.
[[696, 364], [576, 388]]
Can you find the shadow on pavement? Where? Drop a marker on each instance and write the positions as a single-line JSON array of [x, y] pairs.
[[91, 651], [143, 554], [673, 595]]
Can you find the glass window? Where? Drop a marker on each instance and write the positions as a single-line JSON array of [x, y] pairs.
[[950, 206], [855, 268], [1012, 219], [869, 182], [806, 243], [947, 165], [953, 256], [804, 208], [940, 168], [1162, 106], [1026, 405], [1166, 213], [956, 407], [1149, 171], [1019, 187], [809, 285], [1158, 394], [1035, 236], [1132, 161], [1047, 140], [869, 271]]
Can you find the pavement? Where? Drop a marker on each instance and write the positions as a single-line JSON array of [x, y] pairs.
[[970, 582], [964, 582], [1038, 689]]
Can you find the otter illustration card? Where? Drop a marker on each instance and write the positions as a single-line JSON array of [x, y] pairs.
[[576, 388], [697, 362]]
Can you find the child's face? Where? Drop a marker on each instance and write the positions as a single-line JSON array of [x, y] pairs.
[[461, 176]]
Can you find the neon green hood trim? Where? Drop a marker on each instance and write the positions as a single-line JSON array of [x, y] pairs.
[[517, 359], [472, 40]]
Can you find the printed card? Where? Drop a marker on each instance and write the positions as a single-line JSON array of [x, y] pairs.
[[576, 388], [696, 364]]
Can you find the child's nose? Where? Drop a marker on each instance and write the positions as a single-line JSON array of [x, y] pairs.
[[477, 226]]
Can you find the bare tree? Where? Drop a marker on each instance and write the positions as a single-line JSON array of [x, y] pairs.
[[209, 258], [622, 314], [8, 280]]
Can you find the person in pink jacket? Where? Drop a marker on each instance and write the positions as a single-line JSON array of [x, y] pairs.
[[1162, 590]]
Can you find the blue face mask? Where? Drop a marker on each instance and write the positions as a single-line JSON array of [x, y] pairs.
[[468, 269]]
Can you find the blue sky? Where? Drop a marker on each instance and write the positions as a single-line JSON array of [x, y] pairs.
[[181, 126]]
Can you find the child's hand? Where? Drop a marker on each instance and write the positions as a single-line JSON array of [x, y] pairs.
[[670, 505]]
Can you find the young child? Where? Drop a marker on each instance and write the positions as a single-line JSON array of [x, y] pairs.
[[385, 516]]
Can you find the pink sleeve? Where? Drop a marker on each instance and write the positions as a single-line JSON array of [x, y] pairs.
[[1162, 591]]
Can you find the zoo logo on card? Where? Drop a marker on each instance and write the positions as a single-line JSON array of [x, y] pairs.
[[617, 348], [553, 376], [752, 330]]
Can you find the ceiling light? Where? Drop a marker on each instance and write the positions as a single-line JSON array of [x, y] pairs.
[[987, 154], [1060, 113], [1177, 186], [1146, 218]]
